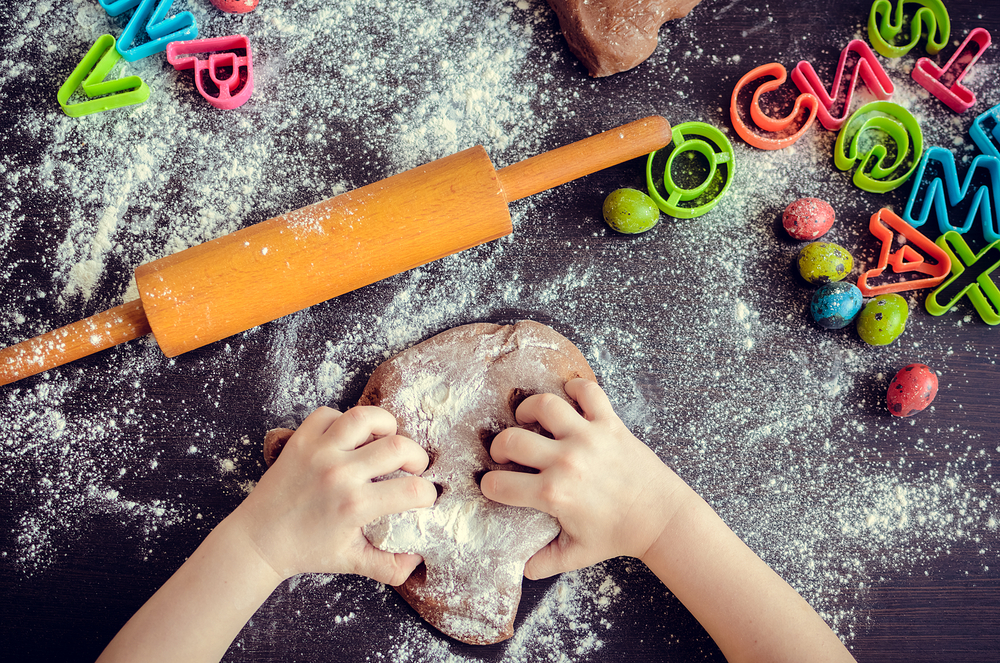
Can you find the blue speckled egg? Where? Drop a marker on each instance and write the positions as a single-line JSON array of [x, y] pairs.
[[835, 304]]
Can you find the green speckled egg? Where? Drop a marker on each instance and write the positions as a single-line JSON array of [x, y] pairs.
[[883, 319], [824, 262]]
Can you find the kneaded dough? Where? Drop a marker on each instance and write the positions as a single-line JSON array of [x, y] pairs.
[[610, 36], [452, 394]]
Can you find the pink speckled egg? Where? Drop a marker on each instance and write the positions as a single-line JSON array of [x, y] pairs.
[[807, 218], [235, 6], [913, 389]]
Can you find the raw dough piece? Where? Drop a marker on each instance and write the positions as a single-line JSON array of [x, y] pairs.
[[610, 36], [452, 394]]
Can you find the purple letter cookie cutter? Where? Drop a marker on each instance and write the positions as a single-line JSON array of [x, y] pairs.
[[231, 73], [945, 82]]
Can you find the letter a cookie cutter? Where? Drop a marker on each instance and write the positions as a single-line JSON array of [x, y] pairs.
[[945, 82], [90, 73], [905, 259], [982, 292], [231, 73], [690, 139], [780, 131]]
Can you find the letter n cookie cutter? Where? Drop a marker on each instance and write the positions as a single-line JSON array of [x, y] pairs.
[[932, 17], [897, 123], [982, 292], [690, 139], [945, 82], [780, 131], [151, 14], [90, 73], [905, 259], [236, 86]]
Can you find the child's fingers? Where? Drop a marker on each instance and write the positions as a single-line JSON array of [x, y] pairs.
[[590, 397], [389, 568], [318, 422], [388, 454], [396, 496], [553, 413], [549, 561], [356, 426], [516, 445], [513, 488]]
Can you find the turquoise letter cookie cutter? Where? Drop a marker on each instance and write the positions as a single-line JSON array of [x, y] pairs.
[[150, 14], [872, 173], [932, 17], [983, 292], [90, 73], [689, 139]]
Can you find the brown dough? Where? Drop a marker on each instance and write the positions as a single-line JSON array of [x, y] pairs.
[[610, 36], [452, 394]]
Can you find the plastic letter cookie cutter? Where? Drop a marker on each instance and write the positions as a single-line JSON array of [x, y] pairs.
[[780, 131], [905, 259], [936, 189], [231, 73], [150, 14], [689, 140], [980, 287], [897, 123], [90, 73], [945, 82], [985, 132], [932, 17], [867, 67]]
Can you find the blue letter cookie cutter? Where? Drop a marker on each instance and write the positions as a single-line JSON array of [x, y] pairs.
[[150, 14], [932, 17], [90, 73], [900, 126], [982, 292], [688, 139], [937, 189], [945, 82]]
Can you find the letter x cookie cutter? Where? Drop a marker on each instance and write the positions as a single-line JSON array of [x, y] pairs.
[[982, 292], [945, 82], [90, 74], [905, 259], [231, 73]]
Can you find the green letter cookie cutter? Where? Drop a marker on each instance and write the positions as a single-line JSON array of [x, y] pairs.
[[713, 145], [983, 292], [932, 16], [895, 121], [96, 64]]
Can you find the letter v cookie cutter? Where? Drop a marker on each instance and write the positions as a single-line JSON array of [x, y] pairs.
[[90, 74], [946, 85], [221, 57], [905, 259], [780, 131]]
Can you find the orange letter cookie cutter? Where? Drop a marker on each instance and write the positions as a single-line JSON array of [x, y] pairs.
[[905, 259], [780, 131]]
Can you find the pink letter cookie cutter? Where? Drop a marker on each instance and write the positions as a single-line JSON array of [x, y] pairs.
[[867, 66], [780, 131], [906, 259], [231, 73], [945, 82]]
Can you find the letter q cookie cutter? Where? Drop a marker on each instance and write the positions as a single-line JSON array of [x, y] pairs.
[[690, 139], [230, 73]]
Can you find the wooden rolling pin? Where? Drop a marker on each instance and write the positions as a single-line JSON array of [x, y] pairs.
[[288, 263]]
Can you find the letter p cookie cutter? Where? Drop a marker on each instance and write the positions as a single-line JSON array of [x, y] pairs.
[[229, 74]]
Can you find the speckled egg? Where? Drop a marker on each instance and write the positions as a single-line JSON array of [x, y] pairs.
[[883, 319], [807, 218], [823, 262], [835, 304], [912, 390]]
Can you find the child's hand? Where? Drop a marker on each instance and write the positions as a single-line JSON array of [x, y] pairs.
[[307, 512], [610, 492]]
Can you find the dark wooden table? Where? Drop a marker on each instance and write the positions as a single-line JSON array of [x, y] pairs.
[[114, 468]]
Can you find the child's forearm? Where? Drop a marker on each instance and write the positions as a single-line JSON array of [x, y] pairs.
[[200, 610], [750, 612]]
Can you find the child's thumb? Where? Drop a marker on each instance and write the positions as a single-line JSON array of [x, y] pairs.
[[548, 561], [388, 568]]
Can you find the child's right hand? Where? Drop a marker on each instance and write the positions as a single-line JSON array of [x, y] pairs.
[[611, 494]]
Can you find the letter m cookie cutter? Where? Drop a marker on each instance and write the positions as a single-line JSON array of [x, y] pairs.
[[229, 74]]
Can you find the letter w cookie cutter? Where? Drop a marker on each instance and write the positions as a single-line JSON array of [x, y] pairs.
[[945, 82], [905, 259], [231, 73]]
